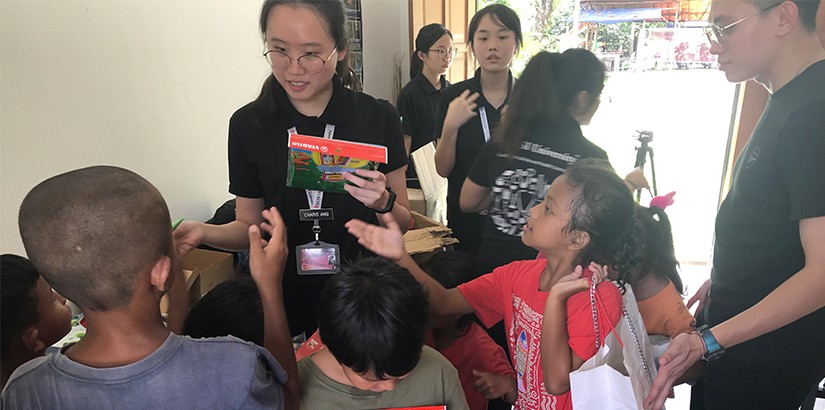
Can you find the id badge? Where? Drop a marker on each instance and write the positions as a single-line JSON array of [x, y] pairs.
[[318, 258]]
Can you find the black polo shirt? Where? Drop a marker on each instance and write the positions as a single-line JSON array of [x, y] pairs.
[[520, 182], [418, 105], [777, 181], [258, 161], [467, 227]]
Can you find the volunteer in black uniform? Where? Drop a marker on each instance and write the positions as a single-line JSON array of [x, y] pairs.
[[539, 137], [419, 100], [472, 108], [306, 46]]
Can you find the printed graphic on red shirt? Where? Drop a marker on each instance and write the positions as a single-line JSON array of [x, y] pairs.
[[525, 347]]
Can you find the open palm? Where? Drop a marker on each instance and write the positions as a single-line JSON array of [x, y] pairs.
[[387, 242]]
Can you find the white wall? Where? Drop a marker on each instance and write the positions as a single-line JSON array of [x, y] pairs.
[[147, 85], [386, 41]]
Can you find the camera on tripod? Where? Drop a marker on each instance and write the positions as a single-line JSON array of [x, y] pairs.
[[643, 152]]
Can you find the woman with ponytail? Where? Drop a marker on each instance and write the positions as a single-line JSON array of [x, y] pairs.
[[420, 99], [310, 92], [539, 137]]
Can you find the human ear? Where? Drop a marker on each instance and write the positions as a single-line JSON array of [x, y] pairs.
[[578, 240], [160, 275], [421, 55], [31, 340], [788, 15], [342, 54]]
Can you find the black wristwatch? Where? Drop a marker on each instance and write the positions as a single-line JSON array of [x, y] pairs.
[[713, 348], [390, 203]]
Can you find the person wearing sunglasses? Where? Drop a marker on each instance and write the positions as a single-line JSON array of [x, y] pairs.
[[764, 339]]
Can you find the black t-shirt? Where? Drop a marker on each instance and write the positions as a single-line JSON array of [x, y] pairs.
[[418, 105], [467, 227], [519, 183], [258, 161], [777, 181]]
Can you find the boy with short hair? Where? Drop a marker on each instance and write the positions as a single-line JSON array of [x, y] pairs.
[[33, 316], [372, 318], [101, 236]]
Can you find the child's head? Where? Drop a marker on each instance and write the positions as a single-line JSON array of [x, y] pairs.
[[231, 308], [33, 316], [587, 212], [93, 232], [433, 50], [495, 37], [450, 269], [312, 31], [658, 255], [372, 317], [554, 87]]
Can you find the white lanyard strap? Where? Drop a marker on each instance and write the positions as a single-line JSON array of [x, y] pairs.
[[485, 127], [315, 198]]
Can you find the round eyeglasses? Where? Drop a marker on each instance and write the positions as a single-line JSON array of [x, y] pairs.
[[313, 63], [445, 53], [716, 34]]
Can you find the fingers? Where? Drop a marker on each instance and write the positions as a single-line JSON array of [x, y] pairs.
[[389, 221], [256, 244], [356, 227]]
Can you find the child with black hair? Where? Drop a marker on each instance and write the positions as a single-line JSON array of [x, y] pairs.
[[233, 307], [656, 282], [482, 365], [586, 217], [33, 316], [372, 317], [101, 236]]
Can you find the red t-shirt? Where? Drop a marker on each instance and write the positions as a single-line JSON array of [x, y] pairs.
[[475, 350], [510, 293]]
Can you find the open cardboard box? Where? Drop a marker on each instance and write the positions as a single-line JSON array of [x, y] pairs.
[[203, 270], [427, 235]]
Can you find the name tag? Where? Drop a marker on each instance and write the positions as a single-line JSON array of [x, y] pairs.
[[320, 214]]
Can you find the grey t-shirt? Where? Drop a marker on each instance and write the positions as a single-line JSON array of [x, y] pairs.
[[183, 373], [434, 381]]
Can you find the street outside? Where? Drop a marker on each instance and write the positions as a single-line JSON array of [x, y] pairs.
[[689, 112]]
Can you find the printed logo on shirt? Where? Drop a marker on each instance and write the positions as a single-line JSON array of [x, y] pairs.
[[525, 344], [515, 191], [754, 155]]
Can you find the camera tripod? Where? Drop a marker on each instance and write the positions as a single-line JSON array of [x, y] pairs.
[[643, 152]]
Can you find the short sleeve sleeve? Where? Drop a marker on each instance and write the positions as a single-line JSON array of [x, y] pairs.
[[243, 173], [801, 164], [580, 330], [485, 295], [492, 355], [266, 387], [406, 109], [396, 153], [480, 171]]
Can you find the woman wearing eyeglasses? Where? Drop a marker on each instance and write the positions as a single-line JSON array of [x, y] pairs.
[[308, 93], [419, 100]]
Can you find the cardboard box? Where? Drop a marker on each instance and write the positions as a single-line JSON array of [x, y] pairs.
[[417, 201], [427, 235], [203, 270]]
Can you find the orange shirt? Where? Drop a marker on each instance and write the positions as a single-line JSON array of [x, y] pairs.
[[665, 313]]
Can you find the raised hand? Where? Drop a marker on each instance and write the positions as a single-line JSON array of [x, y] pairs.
[[387, 242], [461, 110], [267, 258]]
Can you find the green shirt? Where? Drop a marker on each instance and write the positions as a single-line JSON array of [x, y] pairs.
[[434, 381]]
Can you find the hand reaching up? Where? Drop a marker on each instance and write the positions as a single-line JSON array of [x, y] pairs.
[[267, 258], [387, 242]]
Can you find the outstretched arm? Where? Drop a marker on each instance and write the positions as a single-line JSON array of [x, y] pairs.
[[266, 263], [805, 289], [389, 243]]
